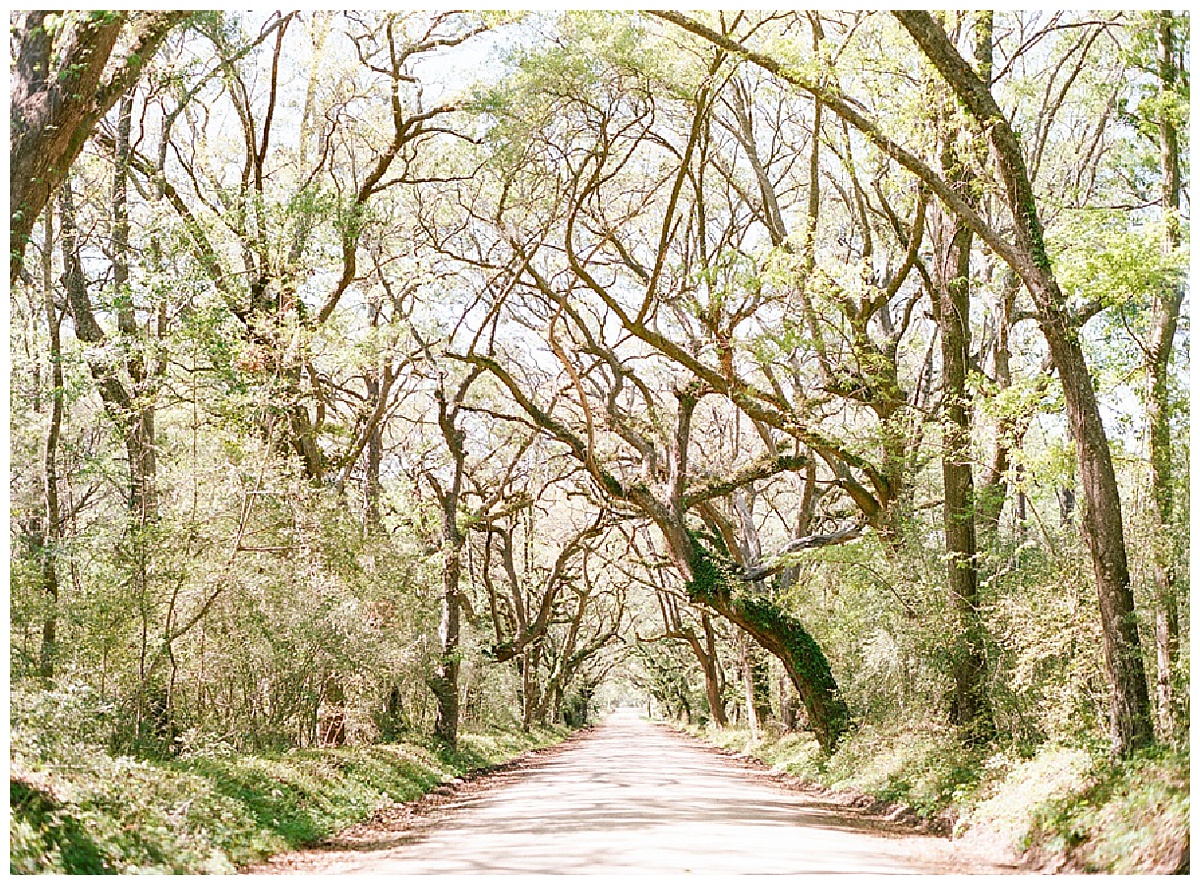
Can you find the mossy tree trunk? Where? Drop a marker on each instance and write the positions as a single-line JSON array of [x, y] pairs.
[[714, 582], [970, 707], [1159, 409]]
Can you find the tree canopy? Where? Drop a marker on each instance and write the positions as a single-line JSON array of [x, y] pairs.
[[377, 372]]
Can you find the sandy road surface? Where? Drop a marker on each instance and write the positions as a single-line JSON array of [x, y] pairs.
[[630, 797]]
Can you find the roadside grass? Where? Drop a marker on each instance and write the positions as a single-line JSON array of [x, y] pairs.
[[1055, 807], [215, 813], [1129, 818], [927, 772]]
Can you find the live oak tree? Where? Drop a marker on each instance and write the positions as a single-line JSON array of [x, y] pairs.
[[698, 631], [272, 229], [178, 182], [709, 563], [532, 596], [449, 499]]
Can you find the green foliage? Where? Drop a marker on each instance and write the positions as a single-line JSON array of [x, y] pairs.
[[926, 770], [211, 814], [1155, 101], [1076, 810], [56, 724], [669, 674], [883, 621], [1131, 818], [1100, 256], [285, 594], [1047, 647]]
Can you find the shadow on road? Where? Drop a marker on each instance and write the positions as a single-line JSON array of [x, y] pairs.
[[626, 798]]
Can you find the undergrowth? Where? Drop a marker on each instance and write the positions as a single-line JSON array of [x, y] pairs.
[[1055, 807], [214, 812], [1129, 818]]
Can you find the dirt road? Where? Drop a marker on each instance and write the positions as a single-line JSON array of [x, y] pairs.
[[631, 797]]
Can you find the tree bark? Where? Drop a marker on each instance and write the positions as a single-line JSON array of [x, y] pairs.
[[970, 709], [747, 674], [710, 666], [1162, 337], [332, 727], [139, 441], [712, 581], [1010, 429], [529, 662], [60, 92], [445, 680], [371, 488], [1130, 714]]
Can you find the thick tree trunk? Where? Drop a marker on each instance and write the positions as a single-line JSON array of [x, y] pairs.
[[1009, 428], [372, 488], [1103, 529], [787, 704], [57, 101], [392, 723], [760, 682], [530, 697], [710, 665], [970, 709], [332, 727], [444, 682], [1158, 406], [747, 674], [445, 679], [779, 633], [1020, 516]]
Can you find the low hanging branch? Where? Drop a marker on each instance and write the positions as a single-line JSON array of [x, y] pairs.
[[773, 565], [761, 469]]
